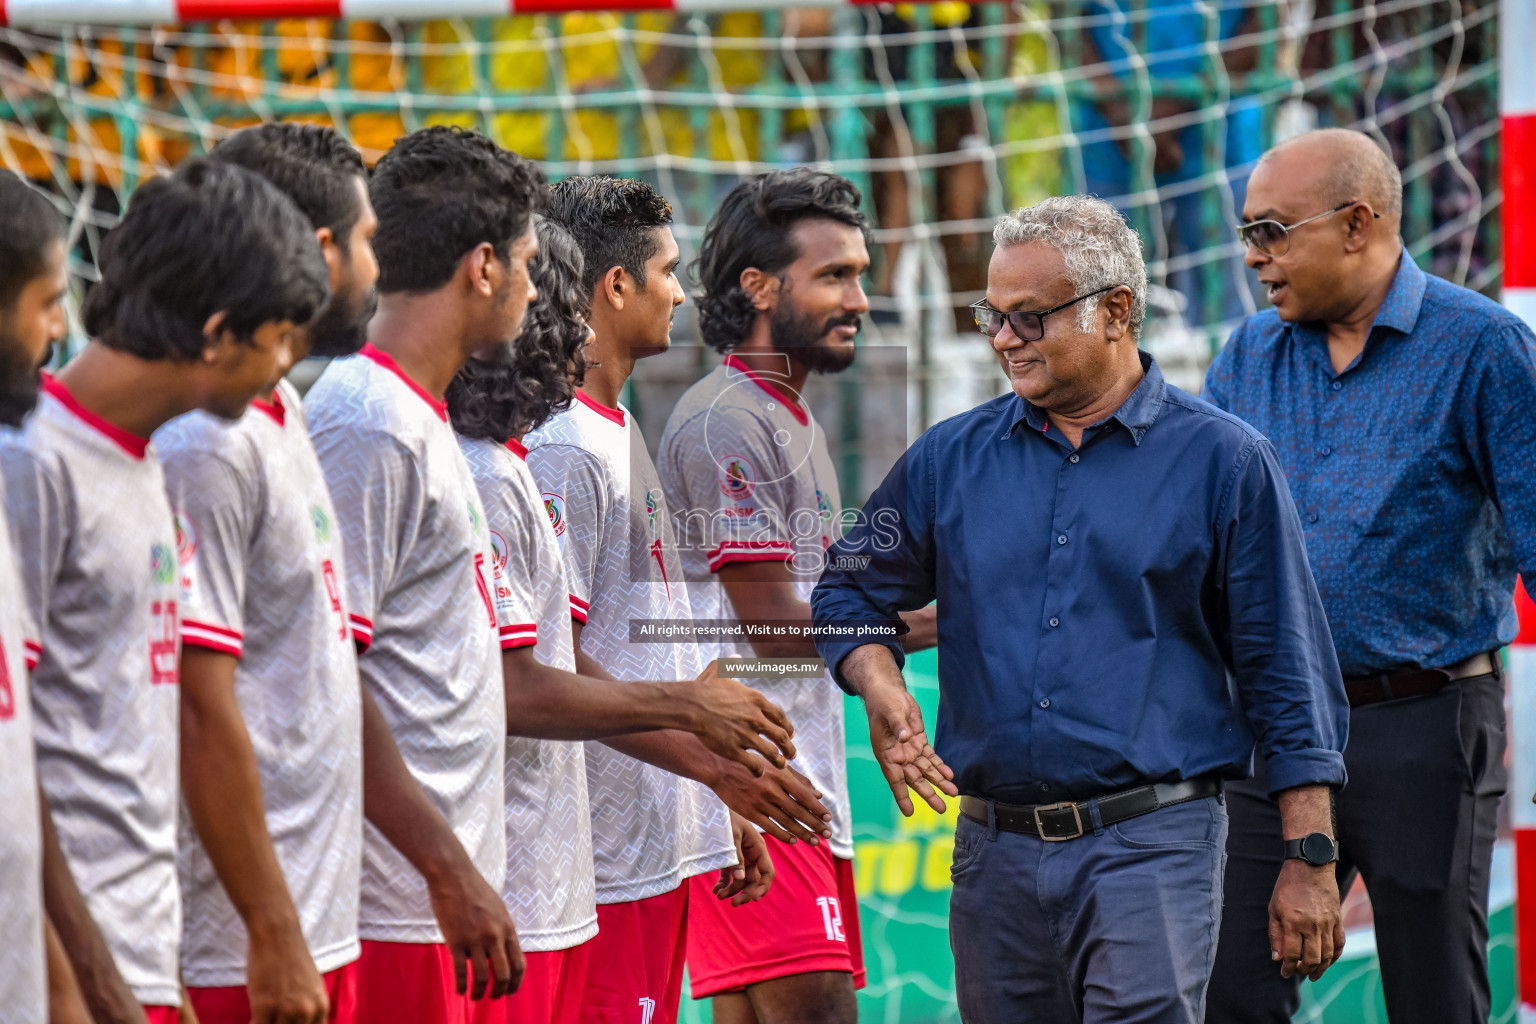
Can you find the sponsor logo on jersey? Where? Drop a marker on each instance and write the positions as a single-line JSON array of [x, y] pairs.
[[554, 504], [476, 521], [652, 503], [498, 554], [737, 478], [823, 506], [322, 523], [186, 538], [162, 564]]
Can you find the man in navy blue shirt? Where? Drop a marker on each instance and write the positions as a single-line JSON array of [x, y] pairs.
[[1403, 409], [1125, 612]]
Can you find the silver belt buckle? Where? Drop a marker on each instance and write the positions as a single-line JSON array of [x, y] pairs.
[[1076, 816]]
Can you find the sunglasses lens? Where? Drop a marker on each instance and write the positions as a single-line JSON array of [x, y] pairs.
[[1027, 326], [1267, 236], [988, 321]]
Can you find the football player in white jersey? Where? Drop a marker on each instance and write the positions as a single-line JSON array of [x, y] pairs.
[[203, 284], [651, 829], [271, 750], [36, 981], [749, 480], [454, 239], [549, 885]]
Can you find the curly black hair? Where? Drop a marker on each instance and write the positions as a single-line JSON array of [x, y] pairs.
[[753, 228], [505, 399], [613, 220], [439, 193]]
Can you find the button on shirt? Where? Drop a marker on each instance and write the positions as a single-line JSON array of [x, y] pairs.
[[1414, 469], [1138, 610]]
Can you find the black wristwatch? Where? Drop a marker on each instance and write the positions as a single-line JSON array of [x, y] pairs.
[[1316, 849]]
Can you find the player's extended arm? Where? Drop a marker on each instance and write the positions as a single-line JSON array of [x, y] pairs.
[[765, 591], [106, 994], [222, 786], [780, 801], [475, 924], [733, 720], [65, 1003]]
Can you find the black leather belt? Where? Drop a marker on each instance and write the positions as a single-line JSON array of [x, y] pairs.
[[1069, 820], [1385, 686]]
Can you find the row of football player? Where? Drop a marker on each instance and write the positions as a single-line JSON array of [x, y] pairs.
[[463, 517]]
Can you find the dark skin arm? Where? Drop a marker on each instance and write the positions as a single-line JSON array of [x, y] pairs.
[[475, 924], [107, 996], [765, 591], [780, 801], [733, 720], [65, 1003], [222, 787]]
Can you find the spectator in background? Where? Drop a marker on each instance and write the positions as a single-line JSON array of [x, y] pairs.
[[1168, 36]]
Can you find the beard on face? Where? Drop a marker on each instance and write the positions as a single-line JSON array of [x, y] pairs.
[[20, 380], [799, 336], [342, 327]]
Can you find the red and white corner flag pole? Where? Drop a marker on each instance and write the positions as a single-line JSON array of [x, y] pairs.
[[1517, 107]]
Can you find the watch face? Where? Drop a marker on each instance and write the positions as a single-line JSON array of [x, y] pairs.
[[1317, 849]]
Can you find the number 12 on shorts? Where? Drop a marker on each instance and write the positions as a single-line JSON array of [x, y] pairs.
[[832, 918]]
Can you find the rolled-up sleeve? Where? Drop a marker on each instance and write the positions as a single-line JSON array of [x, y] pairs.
[[884, 564], [1281, 652]]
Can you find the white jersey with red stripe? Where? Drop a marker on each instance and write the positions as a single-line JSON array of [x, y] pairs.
[[749, 478], [418, 596], [96, 547], [650, 828], [261, 569], [23, 971], [549, 888]]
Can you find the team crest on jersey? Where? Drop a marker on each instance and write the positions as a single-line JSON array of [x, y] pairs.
[[162, 564], [498, 554], [737, 478], [823, 506], [186, 538], [555, 506], [322, 523]]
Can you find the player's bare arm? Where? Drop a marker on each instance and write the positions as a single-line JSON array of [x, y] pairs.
[[106, 995], [780, 801], [735, 721], [65, 1003], [896, 730], [222, 788], [475, 924]]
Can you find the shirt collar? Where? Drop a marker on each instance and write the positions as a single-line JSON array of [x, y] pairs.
[[133, 444], [1404, 299], [387, 361], [1137, 413], [517, 448], [733, 363], [274, 408]]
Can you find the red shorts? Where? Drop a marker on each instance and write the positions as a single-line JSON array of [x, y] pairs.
[[809, 921], [413, 981], [232, 1004], [163, 1014], [552, 988], [637, 961]]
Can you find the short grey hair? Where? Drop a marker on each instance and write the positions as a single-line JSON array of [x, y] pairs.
[[1098, 246]]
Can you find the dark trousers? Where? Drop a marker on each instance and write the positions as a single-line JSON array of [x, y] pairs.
[[1417, 821], [1119, 925]]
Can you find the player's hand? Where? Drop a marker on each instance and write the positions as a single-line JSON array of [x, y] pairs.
[[749, 878], [479, 934], [738, 723], [901, 746], [1306, 926], [781, 802], [281, 978]]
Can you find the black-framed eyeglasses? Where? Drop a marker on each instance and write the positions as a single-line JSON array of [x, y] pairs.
[[1026, 324], [1272, 238]]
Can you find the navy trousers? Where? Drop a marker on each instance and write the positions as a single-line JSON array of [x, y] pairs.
[[1117, 926]]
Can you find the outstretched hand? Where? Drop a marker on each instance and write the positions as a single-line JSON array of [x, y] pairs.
[[901, 745]]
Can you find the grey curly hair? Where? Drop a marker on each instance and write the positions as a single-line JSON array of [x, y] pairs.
[[1099, 248]]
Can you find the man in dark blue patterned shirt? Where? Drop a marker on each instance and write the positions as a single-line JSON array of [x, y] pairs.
[[1403, 409]]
